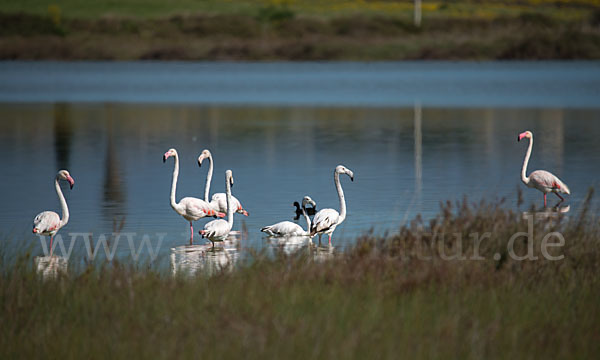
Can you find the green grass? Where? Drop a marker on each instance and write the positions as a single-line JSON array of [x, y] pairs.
[[382, 299]]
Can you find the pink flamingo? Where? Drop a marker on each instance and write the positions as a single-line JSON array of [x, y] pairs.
[[190, 208], [219, 230], [542, 180], [48, 222]]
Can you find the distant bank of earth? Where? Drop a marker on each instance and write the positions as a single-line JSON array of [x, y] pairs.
[[229, 37]]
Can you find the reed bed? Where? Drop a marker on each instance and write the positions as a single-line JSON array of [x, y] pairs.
[[406, 295]]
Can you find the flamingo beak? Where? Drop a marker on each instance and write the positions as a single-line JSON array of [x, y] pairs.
[[165, 157], [521, 136], [200, 160], [245, 213], [71, 182]]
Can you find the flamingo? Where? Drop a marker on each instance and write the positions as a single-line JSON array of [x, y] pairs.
[[219, 200], [48, 222], [310, 211], [190, 208], [542, 180], [218, 230], [288, 228], [326, 220]]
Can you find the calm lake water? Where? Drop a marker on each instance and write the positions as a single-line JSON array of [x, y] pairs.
[[415, 134]]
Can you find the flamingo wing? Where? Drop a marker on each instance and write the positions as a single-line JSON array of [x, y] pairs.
[[219, 203], [546, 181], [46, 222], [324, 220], [196, 208], [284, 228], [216, 229]]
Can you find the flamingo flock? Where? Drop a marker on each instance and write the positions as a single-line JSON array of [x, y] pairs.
[[325, 221]]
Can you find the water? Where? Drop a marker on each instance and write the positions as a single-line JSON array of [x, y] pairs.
[[415, 134]]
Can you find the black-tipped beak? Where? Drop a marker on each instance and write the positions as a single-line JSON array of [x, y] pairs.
[[71, 185], [199, 164], [164, 159], [518, 138], [351, 178]]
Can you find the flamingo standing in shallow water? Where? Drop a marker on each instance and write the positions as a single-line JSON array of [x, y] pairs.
[[219, 200], [542, 180], [48, 222], [218, 230], [327, 220], [190, 208], [288, 228]]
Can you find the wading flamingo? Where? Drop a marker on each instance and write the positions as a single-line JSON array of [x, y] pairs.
[[218, 230], [542, 180], [190, 208], [288, 228], [48, 222], [327, 220], [219, 200]]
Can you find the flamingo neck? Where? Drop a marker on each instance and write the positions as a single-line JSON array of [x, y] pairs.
[[63, 204], [229, 204], [308, 223], [524, 177], [174, 205], [208, 179], [338, 186]]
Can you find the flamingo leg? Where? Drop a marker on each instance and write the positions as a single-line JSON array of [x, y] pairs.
[[320, 239], [329, 240], [191, 234], [561, 198], [51, 240], [545, 200]]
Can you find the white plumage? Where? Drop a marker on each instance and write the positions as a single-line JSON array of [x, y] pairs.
[[288, 228], [542, 180], [48, 223], [190, 208], [326, 220], [218, 230], [219, 200]]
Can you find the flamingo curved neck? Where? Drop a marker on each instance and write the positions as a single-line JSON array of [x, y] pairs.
[[524, 177], [338, 186], [174, 204], [63, 204], [308, 223], [229, 204], [208, 179]]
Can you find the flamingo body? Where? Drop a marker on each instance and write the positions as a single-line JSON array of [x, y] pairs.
[[288, 228], [218, 200], [218, 230], [48, 222], [190, 208], [544, 181], [326, 220]]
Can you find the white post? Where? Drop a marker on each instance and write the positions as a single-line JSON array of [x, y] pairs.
[[417, 13]]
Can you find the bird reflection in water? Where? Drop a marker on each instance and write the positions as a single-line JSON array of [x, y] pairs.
[[49, 267], [289, 245], [205, 259]]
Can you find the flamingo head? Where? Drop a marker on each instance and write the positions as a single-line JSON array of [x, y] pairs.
[[341, 169], [308, 201], [204, 155], [169, 153], [527, 134], [64, 175]]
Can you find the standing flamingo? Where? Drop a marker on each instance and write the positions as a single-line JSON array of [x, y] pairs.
[[288, 228], [326, 220], [48, 222], [190, 208], [219, 200], [218, 230], [542, 180]]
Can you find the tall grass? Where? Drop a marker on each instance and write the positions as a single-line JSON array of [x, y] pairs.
[[395, 296]]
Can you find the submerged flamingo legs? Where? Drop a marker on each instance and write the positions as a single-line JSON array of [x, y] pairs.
[[191, 234]]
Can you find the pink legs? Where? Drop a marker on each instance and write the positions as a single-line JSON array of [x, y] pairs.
[[561, 198], [545, 200], [191, 234], [51, 240], [329, 240]]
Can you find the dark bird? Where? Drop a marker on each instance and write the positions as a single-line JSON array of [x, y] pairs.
[[310, 211]]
